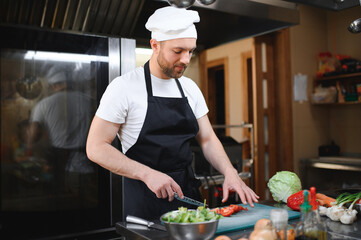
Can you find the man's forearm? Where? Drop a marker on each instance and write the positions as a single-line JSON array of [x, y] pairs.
[[214, 153], [115, 161]]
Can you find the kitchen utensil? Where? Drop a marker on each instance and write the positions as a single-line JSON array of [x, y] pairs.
[[137, 220], [355, 26], [206, 2], [181, 3], [247, 219], [29, 87], [188, 200], [191, 231]]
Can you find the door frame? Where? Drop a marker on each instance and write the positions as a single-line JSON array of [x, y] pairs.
[[204, 67], [276, 55]]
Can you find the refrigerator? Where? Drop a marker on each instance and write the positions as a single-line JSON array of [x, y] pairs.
[[51, 85]]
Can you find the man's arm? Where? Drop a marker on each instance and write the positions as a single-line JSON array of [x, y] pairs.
[[100, 151], [215, 154]]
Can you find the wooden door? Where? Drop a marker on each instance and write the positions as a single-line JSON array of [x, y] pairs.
[[272, 96]]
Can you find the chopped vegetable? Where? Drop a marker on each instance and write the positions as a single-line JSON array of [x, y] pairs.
[[236, 208], [283, 184], [227, 211], [184, 215]]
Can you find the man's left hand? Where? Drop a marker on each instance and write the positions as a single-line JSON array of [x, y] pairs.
[[232, 182]]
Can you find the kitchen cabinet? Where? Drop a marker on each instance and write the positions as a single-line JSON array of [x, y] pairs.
[[346, 88]]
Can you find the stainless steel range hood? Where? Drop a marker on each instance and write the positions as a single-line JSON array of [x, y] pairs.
[[221, 22], [335, 5], [229, 20]]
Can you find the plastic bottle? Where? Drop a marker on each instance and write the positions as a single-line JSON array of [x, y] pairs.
[[309, 228]]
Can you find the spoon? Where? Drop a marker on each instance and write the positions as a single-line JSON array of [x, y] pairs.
[[355, 26]]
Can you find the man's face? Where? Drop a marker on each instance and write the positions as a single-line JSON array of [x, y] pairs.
[[175, 55]]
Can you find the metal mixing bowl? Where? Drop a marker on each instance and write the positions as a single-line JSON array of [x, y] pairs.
[[191, 231]]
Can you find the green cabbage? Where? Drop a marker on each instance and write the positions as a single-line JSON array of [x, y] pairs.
[[283, 184]]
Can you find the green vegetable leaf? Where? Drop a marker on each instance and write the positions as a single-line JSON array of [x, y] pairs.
[[283, 184]]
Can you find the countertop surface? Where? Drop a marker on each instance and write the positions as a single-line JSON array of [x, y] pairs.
[[335, 230]]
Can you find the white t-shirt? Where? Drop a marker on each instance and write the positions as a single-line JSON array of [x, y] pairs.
[[125, 101], [67, 116]]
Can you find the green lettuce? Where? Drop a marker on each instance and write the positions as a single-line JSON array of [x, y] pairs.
[[184, 215], [283, 184]]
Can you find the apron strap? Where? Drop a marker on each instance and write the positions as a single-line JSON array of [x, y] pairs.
[[180, 87], [148, 81]]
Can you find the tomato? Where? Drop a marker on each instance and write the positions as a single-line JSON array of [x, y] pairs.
[[227, 211], [235, 208], [358, 201], [216, 210]]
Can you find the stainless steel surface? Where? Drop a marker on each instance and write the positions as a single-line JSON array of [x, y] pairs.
[[188, 200], [127, 55], [181, 3], [336, 5], [206, 2], [355, 26], [191, 231], [231, 19], [114, 58], [137, 220], [206, 181], [335, 166]]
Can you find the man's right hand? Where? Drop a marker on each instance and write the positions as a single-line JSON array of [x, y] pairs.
[[162, 185]]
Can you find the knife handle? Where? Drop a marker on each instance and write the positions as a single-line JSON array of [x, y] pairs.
[[137, 220]]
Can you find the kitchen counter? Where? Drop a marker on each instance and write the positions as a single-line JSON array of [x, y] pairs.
[[336, 230]]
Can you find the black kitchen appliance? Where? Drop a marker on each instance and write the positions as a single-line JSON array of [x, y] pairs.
[[51, 192], [212, 188]]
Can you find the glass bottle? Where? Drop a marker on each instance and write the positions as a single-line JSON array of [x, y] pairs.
[[279, 219], [315, 216], [309, 228]]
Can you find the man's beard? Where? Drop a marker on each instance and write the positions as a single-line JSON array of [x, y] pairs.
[[169, 70]]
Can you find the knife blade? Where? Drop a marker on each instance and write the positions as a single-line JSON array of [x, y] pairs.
[[141, 221], [188, 200]]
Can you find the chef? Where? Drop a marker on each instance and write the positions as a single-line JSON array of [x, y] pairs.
[[155, 111]]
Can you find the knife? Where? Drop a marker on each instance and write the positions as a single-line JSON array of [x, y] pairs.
[[188, 200], [141, 221]]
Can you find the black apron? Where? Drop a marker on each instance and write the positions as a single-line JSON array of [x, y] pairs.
[[164, 145]]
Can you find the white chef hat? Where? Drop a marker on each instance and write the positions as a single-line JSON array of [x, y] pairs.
[[57, 77], [171, 22]]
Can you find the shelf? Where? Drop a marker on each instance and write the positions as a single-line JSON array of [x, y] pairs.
[[347, 83], [337, 103], [336, 77]]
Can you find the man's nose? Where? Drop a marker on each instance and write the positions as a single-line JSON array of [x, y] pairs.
[[186, 57]]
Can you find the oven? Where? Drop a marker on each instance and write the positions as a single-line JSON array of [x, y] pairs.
[[331, 173]]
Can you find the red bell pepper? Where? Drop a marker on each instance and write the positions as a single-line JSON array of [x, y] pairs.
[[295, 200]]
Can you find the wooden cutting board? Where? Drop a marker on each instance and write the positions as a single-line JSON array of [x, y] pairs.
[[247, 219]]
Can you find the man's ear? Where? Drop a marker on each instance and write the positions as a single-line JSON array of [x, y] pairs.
[[154, 44]]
